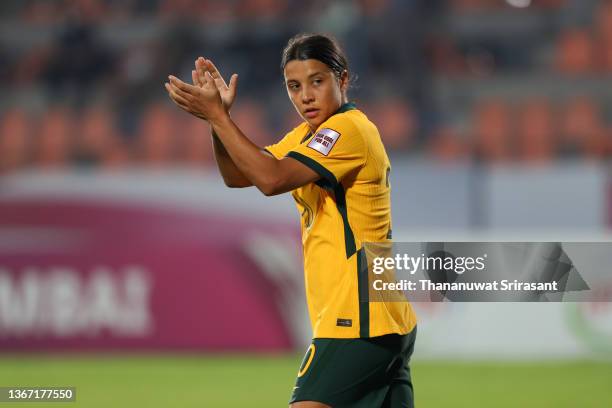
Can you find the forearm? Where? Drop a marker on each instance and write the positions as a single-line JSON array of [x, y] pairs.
[[240, 161], [249, 160], [232, 176]]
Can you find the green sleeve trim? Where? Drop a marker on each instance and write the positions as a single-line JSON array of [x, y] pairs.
[[331, 183], [364, 294], [316, 166]]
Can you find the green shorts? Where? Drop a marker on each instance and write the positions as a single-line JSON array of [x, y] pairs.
[[368, 373]]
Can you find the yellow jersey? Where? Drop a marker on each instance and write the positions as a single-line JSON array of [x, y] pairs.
[[349, 205]]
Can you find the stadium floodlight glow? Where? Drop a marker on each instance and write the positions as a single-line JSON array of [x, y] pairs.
[[519, 3]]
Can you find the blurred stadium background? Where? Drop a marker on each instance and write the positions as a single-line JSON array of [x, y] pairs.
[[129, 271]]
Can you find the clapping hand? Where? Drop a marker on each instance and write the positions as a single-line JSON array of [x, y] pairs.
[[228, 93], [209, 97]]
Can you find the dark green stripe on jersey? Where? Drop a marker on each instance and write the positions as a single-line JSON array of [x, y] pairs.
[[364, 294], [308, 136], [329, 182]]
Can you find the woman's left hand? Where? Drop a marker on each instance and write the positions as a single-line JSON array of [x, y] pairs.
[[203, 102]]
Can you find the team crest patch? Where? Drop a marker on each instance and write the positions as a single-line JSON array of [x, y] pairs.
[[324, 140]]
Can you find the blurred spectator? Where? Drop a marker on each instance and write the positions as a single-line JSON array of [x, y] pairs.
[[54, 138], [157, 138], [42, 11], [117, 156], [603, 21], [88, 11], [79, 59], [196, 143], [492, 131], [31, 65], [582, 129], [15, 140], [575, 52], [263, 9], [98, 140], [374, 8], [603, 30], [396, 121], [536, 134], [605, 55], [445, 57], [447, 145], [178, 9], [6, 64]]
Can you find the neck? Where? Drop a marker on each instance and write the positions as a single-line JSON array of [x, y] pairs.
[[342, 103]]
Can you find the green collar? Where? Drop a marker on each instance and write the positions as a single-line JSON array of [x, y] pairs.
[[346, 107]]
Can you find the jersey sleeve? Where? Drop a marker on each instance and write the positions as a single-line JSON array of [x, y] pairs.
[[283, 146], [336, 149]]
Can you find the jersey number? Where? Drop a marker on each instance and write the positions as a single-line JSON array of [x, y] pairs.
[[307, 213]]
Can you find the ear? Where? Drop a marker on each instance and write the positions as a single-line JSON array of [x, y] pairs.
[[344, 80]]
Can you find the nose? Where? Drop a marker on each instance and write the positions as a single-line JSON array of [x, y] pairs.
[[307, 95]]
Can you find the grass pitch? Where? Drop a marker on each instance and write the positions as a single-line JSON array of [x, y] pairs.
[[125, 380]]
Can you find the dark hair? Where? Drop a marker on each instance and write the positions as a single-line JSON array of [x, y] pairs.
[[316, 46]]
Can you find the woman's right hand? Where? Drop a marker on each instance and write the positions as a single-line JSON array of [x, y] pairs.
[[227, 92]]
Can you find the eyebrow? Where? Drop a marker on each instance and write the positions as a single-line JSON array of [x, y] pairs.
[[309, 76], [316, 73]]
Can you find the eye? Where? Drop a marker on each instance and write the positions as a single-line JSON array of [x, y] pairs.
[[317, 81], [293, 86]]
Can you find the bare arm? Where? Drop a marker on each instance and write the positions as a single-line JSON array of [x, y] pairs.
[[231, 175], [270, 175]]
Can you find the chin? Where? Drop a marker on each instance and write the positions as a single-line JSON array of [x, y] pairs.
[[314, 124]]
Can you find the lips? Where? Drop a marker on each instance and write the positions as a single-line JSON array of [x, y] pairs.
[[311, 112]]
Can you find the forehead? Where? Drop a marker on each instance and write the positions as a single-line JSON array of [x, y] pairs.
[[301, 69]]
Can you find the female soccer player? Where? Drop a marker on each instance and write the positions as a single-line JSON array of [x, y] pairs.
[[337, 170]]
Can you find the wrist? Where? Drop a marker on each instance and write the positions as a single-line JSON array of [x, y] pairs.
[[219, 120], [212, 127]]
